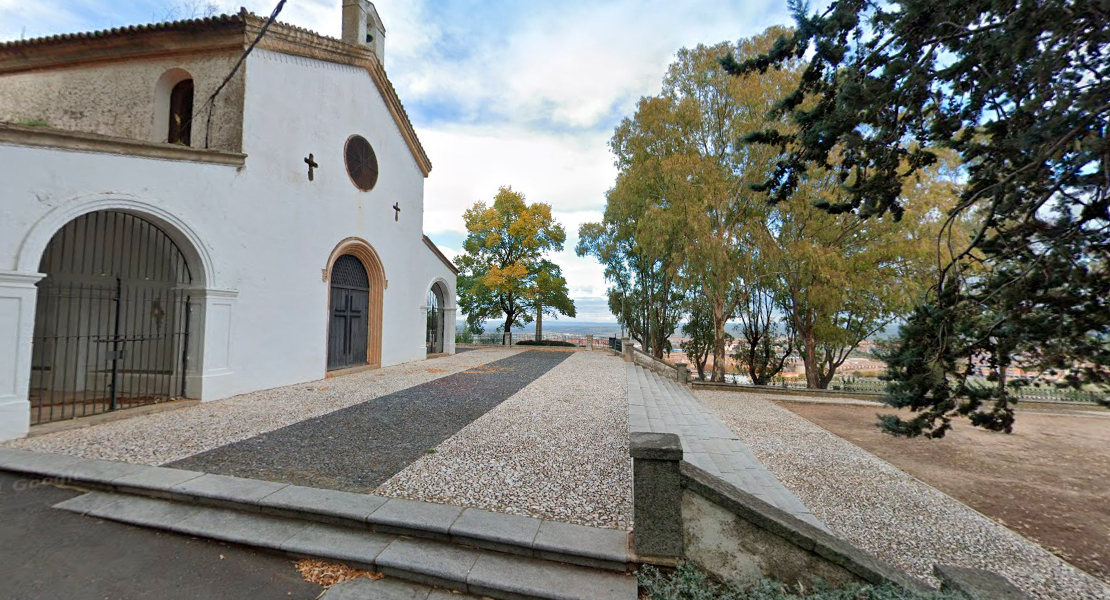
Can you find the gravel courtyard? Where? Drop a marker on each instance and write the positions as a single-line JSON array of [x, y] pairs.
[[356, 449], [886, 511], [558, 449], [165, 437]]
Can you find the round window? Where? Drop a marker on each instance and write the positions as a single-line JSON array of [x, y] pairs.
[[362, 163]]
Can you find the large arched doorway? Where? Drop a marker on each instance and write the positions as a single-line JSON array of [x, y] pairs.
[[112, 318], [348, 331], [363, 253], [434, 336]]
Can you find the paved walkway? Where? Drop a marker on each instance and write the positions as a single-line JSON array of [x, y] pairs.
[[660, 405], [358, 448], [48, 554]]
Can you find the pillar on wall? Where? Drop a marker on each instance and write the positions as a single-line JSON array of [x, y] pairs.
[[424, 329], [449, 330], [17, 328], [210, 356]]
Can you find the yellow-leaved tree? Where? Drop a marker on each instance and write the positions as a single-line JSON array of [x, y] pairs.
[[503, 274]]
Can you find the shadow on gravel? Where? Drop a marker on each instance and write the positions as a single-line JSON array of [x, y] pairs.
[[358, 448]]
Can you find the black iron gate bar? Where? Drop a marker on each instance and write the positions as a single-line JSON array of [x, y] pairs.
[[113, 312]]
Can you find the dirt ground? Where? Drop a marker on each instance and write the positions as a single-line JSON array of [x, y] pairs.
[[1048, 481]]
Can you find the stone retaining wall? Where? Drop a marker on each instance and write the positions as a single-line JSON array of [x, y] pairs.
[[684, 513], [678, 372]]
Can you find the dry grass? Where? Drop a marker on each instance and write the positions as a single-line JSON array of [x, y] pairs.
[[327, 574]]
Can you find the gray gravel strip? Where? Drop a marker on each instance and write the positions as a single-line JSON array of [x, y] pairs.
[[887, 512], [355, 449], [165, 437], [558, 450]]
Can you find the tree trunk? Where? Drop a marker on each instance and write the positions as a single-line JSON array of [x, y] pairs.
[[539, 322], [509, 319], [830, 364], [718, 340], [809, 358]]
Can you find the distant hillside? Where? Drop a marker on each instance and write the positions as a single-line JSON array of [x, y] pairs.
[[554, 326], [614, 329]]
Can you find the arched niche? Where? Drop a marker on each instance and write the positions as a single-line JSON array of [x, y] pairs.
[[174, 91]]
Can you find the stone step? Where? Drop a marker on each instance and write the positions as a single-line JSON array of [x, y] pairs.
[[423, 561], [390, 589], [525, 536]]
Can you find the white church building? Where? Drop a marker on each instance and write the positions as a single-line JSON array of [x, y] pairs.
[[174, 224]]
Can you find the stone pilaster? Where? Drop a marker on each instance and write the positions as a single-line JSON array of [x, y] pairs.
[[18, 294]]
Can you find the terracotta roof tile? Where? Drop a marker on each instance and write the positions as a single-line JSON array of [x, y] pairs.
[[182, 25]]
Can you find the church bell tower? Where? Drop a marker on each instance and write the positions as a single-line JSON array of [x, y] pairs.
[[362, 26]]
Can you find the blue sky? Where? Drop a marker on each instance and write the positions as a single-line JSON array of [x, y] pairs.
[[501, 92]]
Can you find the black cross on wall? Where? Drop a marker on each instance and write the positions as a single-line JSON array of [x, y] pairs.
[[397, 215], [311, 162]]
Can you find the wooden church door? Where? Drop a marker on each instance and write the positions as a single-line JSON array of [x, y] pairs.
[[348, 333]]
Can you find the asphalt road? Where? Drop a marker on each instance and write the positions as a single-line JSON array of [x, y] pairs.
[[51, 554]]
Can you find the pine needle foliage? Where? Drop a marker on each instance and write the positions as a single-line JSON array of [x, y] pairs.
[[1020, 91]]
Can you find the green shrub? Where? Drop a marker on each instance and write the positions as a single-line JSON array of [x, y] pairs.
[[690, 583], [545, 343], [464, 336]]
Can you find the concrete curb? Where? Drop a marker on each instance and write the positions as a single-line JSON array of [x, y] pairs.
[[421, 561], [524, 536]]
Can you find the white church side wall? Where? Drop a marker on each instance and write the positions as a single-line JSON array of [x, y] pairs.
[[259, 237]]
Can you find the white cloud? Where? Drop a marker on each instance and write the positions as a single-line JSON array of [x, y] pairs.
[[571, 173], [501, 93]]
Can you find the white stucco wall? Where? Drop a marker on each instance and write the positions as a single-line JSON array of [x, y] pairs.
[[262, 234]]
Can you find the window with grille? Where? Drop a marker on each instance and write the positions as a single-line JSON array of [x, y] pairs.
[[362, 163]]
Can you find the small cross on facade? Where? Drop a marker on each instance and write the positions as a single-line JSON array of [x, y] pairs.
[[311, 162], [397, 215]]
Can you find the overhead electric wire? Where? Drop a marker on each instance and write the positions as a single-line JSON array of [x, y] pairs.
[[211, 102]]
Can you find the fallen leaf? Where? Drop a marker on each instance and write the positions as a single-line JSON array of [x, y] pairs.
[[328, 574]]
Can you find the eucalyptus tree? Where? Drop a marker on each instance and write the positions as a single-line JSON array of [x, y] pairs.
[[767, 338], [842, 278], [637, 245], [680, 163], [698, 330], [642, 292]]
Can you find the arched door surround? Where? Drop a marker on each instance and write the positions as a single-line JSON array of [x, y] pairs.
[[357, 249], [113, 318]]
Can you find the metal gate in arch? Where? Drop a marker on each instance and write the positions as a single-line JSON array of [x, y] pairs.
[[112, 320]]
